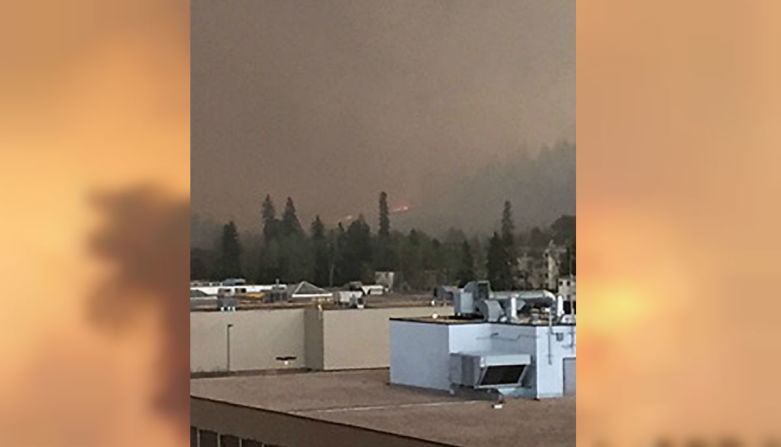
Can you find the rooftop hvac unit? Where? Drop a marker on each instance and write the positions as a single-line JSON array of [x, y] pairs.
[[485, 371]]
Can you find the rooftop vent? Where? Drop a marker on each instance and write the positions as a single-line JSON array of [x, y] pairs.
[[485, 371]]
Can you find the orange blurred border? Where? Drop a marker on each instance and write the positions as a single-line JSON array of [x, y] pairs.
[[678, 106], [94, 182], [677, 136]]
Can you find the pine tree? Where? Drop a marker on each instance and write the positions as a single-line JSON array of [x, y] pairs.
[[321, 261], [384, 228], [494, 260], [270, 223], [356, 251], [466, 270], [230, 262], [295, 259], [336, 252], [198, 268], [290, 223], [508, 228], [268, 264], [412, 259], [508, 244], [385, 258], [496, 264]]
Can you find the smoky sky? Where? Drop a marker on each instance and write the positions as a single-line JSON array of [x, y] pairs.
[[331, 102]]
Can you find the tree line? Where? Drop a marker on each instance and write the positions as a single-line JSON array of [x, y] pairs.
[[284, 250]]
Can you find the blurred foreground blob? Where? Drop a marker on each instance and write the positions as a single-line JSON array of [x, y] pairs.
[[143, 238]]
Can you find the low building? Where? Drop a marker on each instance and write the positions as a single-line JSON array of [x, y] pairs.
[[532, 270], [308, 291], [515, 344], [568, 292], [554, 257], [452, 354], [296, 337], [347, 297], [385, 279], [241, 289], [313, 376]]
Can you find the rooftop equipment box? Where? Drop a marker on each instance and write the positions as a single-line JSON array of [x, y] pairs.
[[488, 370]]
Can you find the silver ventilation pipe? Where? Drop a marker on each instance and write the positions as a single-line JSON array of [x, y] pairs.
[[513, 309]]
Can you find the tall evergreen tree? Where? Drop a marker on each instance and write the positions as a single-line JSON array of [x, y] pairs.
[[320, 255], [508, 243], [496, 264], [466, 271], [336, 250], [270, 223], [269, 262], [385, 258], [477, 245], [295, 254], [384, 228], [290, 223], [508, 227], [411, 261], [230, 261], [357, 251], [198, 264]]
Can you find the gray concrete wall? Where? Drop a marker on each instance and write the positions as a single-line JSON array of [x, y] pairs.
[[313, 338], [257, 338], [419, 364], [359, 338]]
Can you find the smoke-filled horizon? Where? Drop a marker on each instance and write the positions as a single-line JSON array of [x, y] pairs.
[[332, 102]]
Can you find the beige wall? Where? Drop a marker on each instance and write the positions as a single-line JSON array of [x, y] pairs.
[[331, 339], [257, 338], [358, 338]]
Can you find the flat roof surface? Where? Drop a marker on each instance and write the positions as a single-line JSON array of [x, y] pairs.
[[209, 304], [364, 398], [452, 320]]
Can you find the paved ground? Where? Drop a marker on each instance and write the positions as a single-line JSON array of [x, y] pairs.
[[365, 399]]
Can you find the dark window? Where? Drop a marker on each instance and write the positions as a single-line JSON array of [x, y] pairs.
[[250, 443], [193, 437], [208, 438], [229, 441], [503, 375]]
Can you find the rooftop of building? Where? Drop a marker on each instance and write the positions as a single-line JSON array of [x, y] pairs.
[[456, 320], [365, 399], [209, 304]]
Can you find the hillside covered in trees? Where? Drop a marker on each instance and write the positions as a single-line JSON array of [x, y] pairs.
[[542, 188]]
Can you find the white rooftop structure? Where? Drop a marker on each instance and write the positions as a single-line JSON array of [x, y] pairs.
[[512, 344]]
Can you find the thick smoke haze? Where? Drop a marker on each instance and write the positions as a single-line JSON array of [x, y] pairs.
[[443, 104]]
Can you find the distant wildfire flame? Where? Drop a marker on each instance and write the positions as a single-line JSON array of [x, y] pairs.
[[394, 210]]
